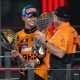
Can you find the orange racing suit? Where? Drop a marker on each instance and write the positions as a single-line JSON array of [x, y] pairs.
[[26, 38]]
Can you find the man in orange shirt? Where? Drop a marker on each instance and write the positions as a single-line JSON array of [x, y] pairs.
[[62, 43]]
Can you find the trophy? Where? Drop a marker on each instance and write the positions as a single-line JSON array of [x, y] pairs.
[[9, 41], [42, 23], [44, 20]]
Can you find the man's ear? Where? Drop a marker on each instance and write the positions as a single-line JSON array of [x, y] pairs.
[[23, 18]]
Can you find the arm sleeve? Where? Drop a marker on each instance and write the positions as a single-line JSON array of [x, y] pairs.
[[60, 40]]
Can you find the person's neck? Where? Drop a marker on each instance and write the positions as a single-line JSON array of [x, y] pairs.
[[58, 24], [28, 27], [30, 30], [61, 22]]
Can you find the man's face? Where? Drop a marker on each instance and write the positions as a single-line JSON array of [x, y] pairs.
[[29, 21], [55, 20]]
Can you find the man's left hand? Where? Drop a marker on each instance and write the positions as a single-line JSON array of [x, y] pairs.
[[41, 37]]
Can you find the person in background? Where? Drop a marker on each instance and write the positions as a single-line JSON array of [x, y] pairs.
[[61, 45], [25, 42]]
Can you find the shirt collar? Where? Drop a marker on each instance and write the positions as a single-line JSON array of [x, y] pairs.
[[64, 25], [29, 31]]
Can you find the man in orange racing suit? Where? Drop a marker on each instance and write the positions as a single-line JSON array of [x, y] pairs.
[[25, 40]]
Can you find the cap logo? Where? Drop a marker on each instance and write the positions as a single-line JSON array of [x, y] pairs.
[[31, 10]]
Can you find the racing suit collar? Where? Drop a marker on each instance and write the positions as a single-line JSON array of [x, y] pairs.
[[29, 31]]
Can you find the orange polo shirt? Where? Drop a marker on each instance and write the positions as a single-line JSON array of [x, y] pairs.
[[65, 37]]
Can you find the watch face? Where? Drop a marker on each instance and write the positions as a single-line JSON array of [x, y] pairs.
[[44, 42]]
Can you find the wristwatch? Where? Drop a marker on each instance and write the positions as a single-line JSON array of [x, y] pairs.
[[44, 42], [38, 61]]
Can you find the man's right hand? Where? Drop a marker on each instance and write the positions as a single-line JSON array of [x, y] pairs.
[[14, 53]]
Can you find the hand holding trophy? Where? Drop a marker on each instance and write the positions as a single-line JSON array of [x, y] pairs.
[[42, 23], [8, 41]]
